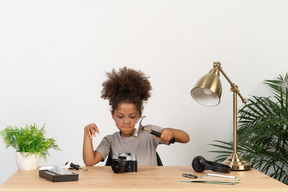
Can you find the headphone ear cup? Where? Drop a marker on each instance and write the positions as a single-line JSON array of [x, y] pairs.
[[219, 167], [198, 164]]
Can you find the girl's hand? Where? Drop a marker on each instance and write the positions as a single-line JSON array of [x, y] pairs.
[[166, 135], [91, 130], [179, 135]]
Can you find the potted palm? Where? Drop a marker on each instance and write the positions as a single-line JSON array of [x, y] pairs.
[[263, 133], [30, 144]]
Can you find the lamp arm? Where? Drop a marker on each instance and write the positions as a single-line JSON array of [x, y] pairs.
[[234, 87]]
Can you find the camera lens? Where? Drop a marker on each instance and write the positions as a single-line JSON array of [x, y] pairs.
[[117, 166]]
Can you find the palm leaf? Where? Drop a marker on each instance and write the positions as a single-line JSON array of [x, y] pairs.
[[262, 132]]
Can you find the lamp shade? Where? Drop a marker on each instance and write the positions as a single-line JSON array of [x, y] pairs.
[[208, 89]]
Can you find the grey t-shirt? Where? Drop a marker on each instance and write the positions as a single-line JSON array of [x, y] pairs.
[[144, 146]]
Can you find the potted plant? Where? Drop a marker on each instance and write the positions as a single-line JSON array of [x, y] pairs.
[[30, 144], [263, 132]]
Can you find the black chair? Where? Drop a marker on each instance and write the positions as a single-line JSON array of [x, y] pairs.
[[109, 160]]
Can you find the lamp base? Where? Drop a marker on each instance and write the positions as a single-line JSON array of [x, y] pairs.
[[237, 163]]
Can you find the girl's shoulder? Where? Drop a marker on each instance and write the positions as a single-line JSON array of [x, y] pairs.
[[112, 136]]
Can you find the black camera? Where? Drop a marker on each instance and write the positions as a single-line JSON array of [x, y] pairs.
[[124, 162]]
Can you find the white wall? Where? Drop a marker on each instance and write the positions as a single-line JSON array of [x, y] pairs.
[[54, 55]]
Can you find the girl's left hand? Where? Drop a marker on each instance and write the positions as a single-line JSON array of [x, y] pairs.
[[166, 135]]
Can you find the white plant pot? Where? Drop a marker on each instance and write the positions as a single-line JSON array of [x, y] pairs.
[[27, 162]]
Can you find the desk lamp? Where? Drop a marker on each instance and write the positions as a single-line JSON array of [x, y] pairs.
[[207, 91]]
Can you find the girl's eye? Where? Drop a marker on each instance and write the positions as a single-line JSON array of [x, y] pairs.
[[120, 117], [132, 117]]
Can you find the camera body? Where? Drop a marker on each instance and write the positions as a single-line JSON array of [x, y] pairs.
[[124, 162]]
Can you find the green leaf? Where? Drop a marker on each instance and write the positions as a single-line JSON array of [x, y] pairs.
[[29, 139]]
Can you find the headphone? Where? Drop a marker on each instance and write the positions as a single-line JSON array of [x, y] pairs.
[[199, 164]]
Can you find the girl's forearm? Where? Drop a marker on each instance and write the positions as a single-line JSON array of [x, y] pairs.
[[89, 155], [179, 135]]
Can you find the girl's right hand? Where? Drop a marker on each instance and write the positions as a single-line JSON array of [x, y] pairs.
[[91, 130]]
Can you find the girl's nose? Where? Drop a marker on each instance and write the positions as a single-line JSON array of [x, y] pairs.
[[126, 120]]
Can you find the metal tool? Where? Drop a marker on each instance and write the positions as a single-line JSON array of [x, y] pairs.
[[74, 166], [138, 127], [190, 175]]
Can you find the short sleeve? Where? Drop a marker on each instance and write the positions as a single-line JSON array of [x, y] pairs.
[[104, 148]]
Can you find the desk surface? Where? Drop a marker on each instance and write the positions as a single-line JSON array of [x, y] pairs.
[[166, 178]]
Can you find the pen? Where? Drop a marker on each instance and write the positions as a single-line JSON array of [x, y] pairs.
[[217, 175]]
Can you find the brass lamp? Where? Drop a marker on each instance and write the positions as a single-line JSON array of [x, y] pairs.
[[207, 91]]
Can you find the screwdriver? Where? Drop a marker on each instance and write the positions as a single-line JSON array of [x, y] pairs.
[[74, 166]]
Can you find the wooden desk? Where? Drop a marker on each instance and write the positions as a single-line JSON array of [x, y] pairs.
[[160, 179]]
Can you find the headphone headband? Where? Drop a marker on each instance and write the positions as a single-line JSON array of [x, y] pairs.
[[199, 164]]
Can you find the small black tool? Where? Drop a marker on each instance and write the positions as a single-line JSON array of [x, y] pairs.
[[74, 166], [189, 175]]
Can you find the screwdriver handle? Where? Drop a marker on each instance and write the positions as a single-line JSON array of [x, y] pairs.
[[74, 166]]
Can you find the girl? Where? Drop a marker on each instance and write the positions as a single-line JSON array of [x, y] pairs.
[[126, 91]]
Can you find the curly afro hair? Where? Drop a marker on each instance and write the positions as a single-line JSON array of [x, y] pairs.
[[126, 85]]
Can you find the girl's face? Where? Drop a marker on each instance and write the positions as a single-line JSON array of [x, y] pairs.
[[125, 117]]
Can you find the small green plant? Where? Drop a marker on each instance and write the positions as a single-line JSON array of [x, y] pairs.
[[29, 139]]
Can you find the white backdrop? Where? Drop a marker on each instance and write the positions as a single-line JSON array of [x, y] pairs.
[[54, 55]]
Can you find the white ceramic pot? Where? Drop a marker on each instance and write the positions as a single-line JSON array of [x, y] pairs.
[[27, 162]]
